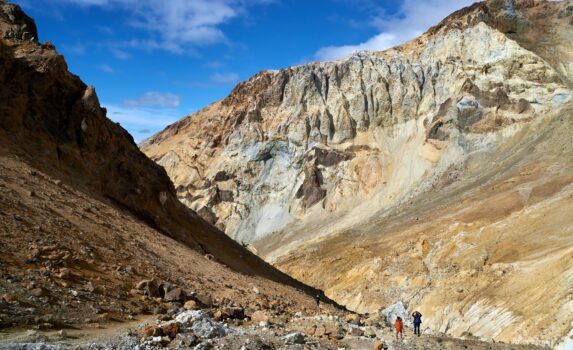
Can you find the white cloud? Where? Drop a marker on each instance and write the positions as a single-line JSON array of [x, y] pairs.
[[178, 25], [106, 68], [379, 42], [154, 100], [119, 53], [224, 78], [141, 122], [413, 19]]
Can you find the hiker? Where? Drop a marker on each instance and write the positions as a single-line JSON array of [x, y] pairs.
[[417, 322], [318, 301], [399, 327]]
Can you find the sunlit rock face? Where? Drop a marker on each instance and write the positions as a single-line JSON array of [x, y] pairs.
[[417, 174]]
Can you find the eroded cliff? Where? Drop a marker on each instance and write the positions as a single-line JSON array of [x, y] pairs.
[[437, 172]]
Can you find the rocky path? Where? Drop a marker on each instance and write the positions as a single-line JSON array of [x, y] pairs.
[[224, 329]]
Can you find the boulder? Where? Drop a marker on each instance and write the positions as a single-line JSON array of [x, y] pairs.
[[357, 332], [149, 288], [398, 309], [152, 331], [259, 316], [370, 332], [203, 300], [310, 330], [176, 294], [353, 319], [320, 331], [172, 329], [378, 345], [39, 292], [294, 338], [201, 324], [9, 298], [230, 313]]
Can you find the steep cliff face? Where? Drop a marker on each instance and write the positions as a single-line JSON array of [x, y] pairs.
[[316, 140], [437, 172]]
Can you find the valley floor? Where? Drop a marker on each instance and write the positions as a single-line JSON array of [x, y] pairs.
[[197, 330]]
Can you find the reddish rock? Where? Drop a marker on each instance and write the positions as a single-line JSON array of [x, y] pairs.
[[9, 298], [171, 330], [152, 331]]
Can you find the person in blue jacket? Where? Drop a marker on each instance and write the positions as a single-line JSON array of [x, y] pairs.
[[417, 322]]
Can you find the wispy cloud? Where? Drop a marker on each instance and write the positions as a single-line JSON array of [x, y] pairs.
[[105, 30], [224, 78], [118, 53], [106, 68], [75, 49], [413, 18], [141, 121], [154, 99], [178, 25]]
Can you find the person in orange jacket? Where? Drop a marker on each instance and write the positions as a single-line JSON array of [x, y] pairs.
[[399, 328]]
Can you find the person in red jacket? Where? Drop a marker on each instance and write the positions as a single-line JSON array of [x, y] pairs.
[[399, 328]]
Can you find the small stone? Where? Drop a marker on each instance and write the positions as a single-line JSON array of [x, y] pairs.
[[320, 331], [294, 338], [204, 300], [151, 331], [353, 319], [9, 298], [31, 333], [378, 345], [176, 294], [105, 317], [191, 305], [370, 332], [39, 292], [149, 288], [259, 316], [310, 330], [159, 311], [64, 274], [356, 332]]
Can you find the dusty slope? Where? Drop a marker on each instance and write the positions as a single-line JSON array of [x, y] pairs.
[[66, 246], [86, 256], [53, 120], [441, 167], [491, 255]]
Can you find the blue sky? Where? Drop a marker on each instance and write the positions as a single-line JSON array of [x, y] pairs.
[[155, 61]]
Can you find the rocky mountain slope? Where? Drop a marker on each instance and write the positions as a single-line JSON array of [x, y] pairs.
[[437, 173], [90, 228]]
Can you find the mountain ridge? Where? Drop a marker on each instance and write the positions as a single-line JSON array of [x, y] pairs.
[[373, 144]]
